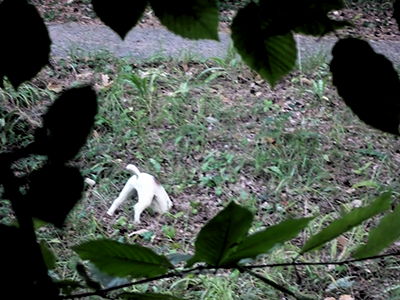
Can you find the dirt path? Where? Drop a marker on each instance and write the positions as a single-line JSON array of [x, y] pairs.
[[140, 43], [144, 43]]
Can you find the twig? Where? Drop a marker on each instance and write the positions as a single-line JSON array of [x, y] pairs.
[[325, 263], [107, 290], [268, 281], [246, 269]]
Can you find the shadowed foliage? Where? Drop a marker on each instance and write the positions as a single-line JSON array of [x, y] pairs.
[[21, 28], [50, 200], [67, 124], [193, 19], [119, 15]]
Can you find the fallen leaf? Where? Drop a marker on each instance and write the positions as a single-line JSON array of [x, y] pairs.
[[84, 76], [305, 81], [140, 231], [185, 68], [105, 80], [54, 87], [226, 99], [270, 140], [346, 297], [96, 134], [342, 241]]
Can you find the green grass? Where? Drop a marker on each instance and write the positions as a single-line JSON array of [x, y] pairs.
[[213, 131]]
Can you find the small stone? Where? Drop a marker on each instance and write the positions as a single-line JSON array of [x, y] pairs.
[[90, 182]]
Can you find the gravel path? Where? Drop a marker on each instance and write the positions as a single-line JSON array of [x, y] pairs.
[[145, 43]]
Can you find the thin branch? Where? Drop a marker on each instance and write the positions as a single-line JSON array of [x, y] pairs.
[[117, 287], [269, 282], [246, 269], [325, 263]]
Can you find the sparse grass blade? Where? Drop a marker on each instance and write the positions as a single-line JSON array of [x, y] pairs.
[[382, 236], [347, 222]]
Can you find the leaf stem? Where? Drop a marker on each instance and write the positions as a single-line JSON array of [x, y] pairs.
[[324, 263], [269, 282], [246, 269], [164, 276]]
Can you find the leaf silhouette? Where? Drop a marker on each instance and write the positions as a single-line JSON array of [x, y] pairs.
[[67, 124], [119, 15], [22, 267], [25, 42], [262, 32], [16, 259], [53, 192], [396, 12], [368, 83]]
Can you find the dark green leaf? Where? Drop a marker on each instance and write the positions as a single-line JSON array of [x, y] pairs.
[[119, 15], [104, 279], [221, 235], [348, 221], [48, 256], [269, 50], [368, 83], [49, 198], [123, 260], [263, 241], [67, 124], [147, 296], [25, 42], [193, 19], [262, 33], [387, 232]]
